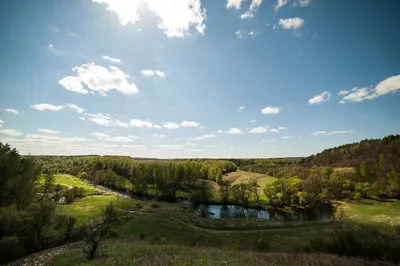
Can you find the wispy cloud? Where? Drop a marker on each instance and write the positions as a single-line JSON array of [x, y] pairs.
[[241, 108], [389, 85], [105, 120], [100, 135], [189, 124], [332, 132], [75, 107], [152, 73], [206, 136], [46, 106], [48, 131], [158, 136], [321, 98], [252, 9], [55, 51], [234, 4], [112, 59], [170, 125], [12, 111], [10, 132], [280, 4]]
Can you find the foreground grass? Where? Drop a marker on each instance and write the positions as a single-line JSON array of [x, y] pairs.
[[136, 253]]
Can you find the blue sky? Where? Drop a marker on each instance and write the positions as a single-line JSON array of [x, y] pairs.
[[197, 78]]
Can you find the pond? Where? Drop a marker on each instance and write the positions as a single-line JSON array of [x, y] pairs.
[[321, 212]]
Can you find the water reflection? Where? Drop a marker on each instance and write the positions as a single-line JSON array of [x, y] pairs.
[[318, 213]]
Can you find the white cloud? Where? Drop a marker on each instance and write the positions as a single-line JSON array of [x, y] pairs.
[[201, 127], [287, 137], [97, 79], [73, 84], [241, 108], [100, 135], [304, 3], [220, 131], [105, 120], [318, 99], [158, 136], [114, 60], [189, 124], [121, 139], [206, 136], [331, 132], [319, 133], [10, 132], [258, 130], [140, 123], [45, 106], [279, 4], [339, 132], [13, 111], [82, 118], [343, 92], [176, 18], [75, 107], [239, 34], [1, 123], [234, 131], [252, 121], [126, 10], [274, 130], [151, 73], [291, 23], [281, 128], [389, 85], [160, 74], [157, 127], [253, 7], [358, 95], [271, 110], [234, 4], [55, 51], [170, 125], [48, 131]]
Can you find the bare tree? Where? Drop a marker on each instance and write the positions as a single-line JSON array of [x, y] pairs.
[[96, 230]]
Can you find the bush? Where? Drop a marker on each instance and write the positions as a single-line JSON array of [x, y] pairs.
[[142, 236]]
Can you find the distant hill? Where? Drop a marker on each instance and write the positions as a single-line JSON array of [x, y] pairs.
[[351, 155]]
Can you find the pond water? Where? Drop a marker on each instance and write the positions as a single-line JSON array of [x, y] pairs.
[[321, 212]]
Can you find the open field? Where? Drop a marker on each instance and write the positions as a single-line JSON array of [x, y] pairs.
[[72, 181]]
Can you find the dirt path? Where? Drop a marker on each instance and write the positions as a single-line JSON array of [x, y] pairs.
[[40, 258]]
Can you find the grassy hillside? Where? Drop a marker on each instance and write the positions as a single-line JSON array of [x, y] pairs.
[[140, 253]]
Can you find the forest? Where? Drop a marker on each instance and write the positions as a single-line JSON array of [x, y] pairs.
[[31, 193]]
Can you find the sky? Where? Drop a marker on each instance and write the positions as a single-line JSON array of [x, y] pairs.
[[197, 78]]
